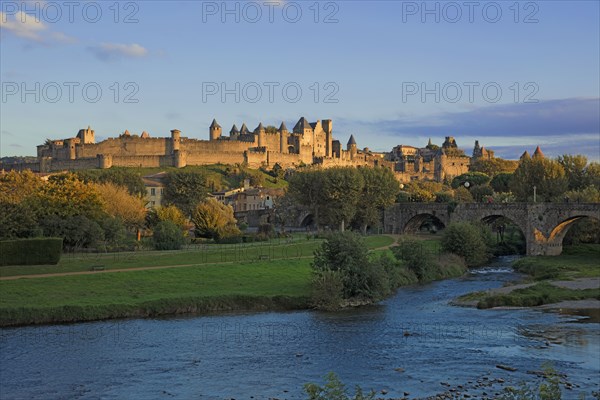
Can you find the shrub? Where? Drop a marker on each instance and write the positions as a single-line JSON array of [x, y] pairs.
[[334, 389], [37, 251], [266, 230], [327, 289], [167, 236], [466, 240], [415, 258]]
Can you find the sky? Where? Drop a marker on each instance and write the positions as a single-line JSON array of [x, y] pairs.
[[511, 74]]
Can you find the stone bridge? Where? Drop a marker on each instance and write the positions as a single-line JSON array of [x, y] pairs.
[[544, 225]]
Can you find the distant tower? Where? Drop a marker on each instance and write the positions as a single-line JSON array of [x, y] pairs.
[[215, 130], [328, 128], [351, 147], [477, 153], [261, 132], [86, 136], [525, 156], [175, 139], [234, 133], [283, 138], [538, 153]]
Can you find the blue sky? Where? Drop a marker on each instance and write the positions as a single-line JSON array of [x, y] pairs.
[[389, 72]]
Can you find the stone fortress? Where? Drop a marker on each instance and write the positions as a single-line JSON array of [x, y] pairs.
[[307, 144]]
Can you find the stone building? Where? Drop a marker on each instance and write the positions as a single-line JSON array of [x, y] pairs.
[[306, 144]]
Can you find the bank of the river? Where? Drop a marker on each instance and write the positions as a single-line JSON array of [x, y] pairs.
[[568, 281], [249, 284]]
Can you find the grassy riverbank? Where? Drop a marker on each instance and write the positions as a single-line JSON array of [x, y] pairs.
[[549, 280], [244, 282]]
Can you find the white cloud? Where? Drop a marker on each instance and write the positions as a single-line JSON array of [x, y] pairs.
[[111, 51], [29, 27]]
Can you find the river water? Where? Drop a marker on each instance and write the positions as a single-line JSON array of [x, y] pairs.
[[411, 343]]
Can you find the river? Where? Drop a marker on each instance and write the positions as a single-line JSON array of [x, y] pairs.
[[413, 342]]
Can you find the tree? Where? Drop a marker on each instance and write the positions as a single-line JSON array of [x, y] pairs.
[[306, 189], [77, 231], [501, 182], [379, 191], [119, 203], [166, 213], [548, 176], [473, 178], [494, 166], [467, 241], [214, 220], [167, 236], [462, 195], [285, 211], [65, 196], [17, 220], [575, 170], [341, 193], [15, 187], [481, 193], [126, 177], [347, 253], [185, 190]]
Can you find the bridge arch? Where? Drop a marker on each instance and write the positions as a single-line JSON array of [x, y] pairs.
[[497, 222], [417, 221], [557, 234]]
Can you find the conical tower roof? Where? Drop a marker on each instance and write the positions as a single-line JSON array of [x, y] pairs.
[[538, 153], [351, 140], [282, 127], [259, 128], [244, 129], [525, 156], [234, 130], [302, 125], [215, 124]]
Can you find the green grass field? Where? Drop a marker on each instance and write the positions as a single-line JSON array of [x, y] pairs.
[[579, 261], [246, 284]]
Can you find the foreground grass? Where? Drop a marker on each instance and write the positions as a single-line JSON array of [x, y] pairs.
[[261, 285], [243, 282], [577, 262]]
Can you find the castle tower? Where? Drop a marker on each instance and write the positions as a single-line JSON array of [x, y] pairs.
[[351, 147], [215, 130], [175, 139], [525, 156], [283, 138], [328, 128], [538, 153], [306, 131], [86, 136], [477, 152], [234, 133], [260, 131], [244, 129]]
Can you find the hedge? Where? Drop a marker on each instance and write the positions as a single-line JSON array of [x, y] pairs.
[[36, 251]]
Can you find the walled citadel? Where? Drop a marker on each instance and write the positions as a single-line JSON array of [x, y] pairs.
[[307, 144]]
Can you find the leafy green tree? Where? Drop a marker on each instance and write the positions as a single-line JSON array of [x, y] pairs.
[[306, 188], [481, 193], [341, 193], [548, 176], [127, 177], [575, 170], [463, 195], [501, 182], [65, 196], [465, 240], [185, 190], [119, 203], [17, 220], [214, 220], [379, 191], [473, 178], [77, 231], [16, 187], [494, 166], [347, 253], [166, 213], [167, 236]]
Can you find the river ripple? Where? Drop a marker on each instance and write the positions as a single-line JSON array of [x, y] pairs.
[[273, 354]]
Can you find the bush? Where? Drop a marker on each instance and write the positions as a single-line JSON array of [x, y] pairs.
[[167, 236], [334, 389], [415, 258], [466, 240], [327, 290], [266, 229], [37, 251]]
